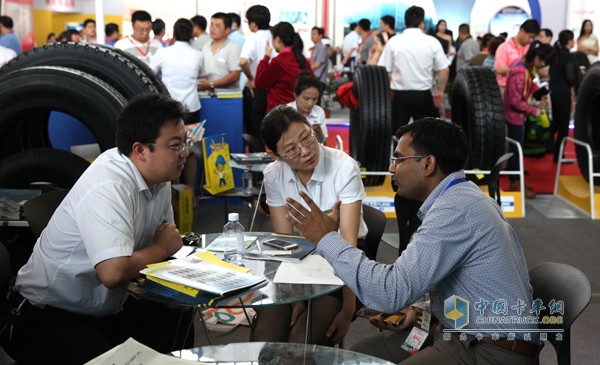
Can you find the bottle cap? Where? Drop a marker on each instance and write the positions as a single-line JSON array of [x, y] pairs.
[[234, 217]]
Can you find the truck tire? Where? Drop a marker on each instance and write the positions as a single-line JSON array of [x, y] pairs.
[[587, 124], [477, 108], [49, 167], [28, 95], [370, 125], [122, 71]]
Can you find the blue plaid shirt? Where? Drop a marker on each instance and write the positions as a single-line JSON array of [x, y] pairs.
[[464, 247]]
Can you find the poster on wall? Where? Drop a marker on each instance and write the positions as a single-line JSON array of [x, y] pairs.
[[21, 12]]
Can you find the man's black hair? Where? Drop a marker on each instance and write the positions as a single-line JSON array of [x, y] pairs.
[[531, 26], [365, 24], [235, 18], [414, 16], [223, 16], [143, 117], [6, 21], [260, 15], [444, 140], [110, 28], [158, 25], [200, 22], [183, 30], [389, 20], [88, 21], [140, 16]]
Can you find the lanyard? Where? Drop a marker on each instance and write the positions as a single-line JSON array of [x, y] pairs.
[[453, 182], [139, 49]]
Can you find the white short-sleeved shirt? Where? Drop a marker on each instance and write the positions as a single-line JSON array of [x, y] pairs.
[[109, 212], [411, 58], [316, 116], [351, 40], [180, 66], [143, 51], [254, 48], [219, 64], [336, 177]]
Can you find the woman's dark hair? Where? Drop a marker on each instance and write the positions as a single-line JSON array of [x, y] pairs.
[[444, 140], [582, 32], [143, 117], [277, 122], [543, 51], [493, 45], [381, 38], [563, 38], [183, 30], [285, 31], [306, 81]]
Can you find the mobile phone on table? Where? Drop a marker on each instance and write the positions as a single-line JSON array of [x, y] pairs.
[[280, 244]]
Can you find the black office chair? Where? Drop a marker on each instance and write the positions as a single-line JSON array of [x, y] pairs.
[[554, 281], [494, 178], [254, 143], [375, 220], [39, 210]]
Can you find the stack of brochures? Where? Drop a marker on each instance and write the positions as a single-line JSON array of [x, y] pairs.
[[200, 279]]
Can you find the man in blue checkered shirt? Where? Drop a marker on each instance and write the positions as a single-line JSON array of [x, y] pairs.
[[465, 255]]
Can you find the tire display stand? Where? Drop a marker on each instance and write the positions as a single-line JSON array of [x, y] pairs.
[[577, 190]]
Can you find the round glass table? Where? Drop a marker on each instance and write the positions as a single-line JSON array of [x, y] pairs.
[[267, 353], [267, 294]]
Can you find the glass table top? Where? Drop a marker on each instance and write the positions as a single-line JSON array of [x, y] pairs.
[[269, 293], [267, 353]]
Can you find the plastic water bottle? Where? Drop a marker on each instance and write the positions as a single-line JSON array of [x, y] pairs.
[[234, 234], [247, 182]]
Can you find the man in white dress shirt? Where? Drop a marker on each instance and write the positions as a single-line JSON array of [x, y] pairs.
[[115, 220]]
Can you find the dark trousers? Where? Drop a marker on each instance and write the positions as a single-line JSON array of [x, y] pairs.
[[410, 103], [51, 335], [516, 132], [255, 108], [561, 114]]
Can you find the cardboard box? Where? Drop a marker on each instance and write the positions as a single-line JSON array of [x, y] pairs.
[[183, 207]]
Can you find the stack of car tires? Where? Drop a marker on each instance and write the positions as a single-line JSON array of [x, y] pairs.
[[89, 82], [587, 122]]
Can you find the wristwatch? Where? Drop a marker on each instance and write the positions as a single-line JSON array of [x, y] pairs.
[[212, 85]]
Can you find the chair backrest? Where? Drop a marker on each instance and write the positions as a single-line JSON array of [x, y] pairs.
[[494, 177], [39, 210], [254, 143], [552, 283], [375, 220], [4, 276]]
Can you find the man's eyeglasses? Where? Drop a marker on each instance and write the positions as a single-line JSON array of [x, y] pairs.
[[295, 151], [142, 30], [396, 160], [178, 148]]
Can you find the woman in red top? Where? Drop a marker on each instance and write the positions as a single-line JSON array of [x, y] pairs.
[[278, 75]]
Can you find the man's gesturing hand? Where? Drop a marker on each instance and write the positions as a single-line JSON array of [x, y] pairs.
[[313, 224]]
